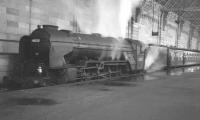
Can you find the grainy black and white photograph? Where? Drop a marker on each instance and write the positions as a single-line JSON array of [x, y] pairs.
[[99, 59]]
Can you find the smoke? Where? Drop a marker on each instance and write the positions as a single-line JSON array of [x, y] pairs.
[[114, 16], [79, 15], [127, 9], [156, 58], [108, 22], [113, 20], [86, 15], [153, 53], [115, 54], [107, 17]]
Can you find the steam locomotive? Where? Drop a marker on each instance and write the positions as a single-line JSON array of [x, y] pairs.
[[62, 56]]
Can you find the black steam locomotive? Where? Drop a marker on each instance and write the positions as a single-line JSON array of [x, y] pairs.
[[62, 56]]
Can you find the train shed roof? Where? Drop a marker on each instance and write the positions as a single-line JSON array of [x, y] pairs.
[[185, 9]]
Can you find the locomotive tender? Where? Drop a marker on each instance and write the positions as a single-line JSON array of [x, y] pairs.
[[49, 52]]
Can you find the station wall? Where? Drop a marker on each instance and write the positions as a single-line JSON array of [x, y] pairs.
[[17, 19], [188, 35]]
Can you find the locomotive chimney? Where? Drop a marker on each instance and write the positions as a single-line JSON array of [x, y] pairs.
[[96, 34], [39, 26], [52, 27], [66, 31]]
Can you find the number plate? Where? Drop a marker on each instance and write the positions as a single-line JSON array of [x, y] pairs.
[[35, 40]]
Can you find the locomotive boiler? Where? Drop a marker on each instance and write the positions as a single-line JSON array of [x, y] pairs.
[[51, 53]]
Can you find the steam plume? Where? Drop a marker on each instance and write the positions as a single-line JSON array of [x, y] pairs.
[[108, 17]]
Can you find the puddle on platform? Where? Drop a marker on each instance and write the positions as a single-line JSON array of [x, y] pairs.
[[147, 77], [33, 101], [170, 72], [116, 83], [104, 89], [160, 74]]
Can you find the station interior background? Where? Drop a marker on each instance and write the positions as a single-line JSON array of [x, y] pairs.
[[20, 17]]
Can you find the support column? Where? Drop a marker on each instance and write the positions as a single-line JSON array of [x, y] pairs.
[[177, 33], [30, 14], [163, 22], [198, 41], [190, 37], [177, 36]]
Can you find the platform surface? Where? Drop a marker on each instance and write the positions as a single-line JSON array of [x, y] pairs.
[[152, 97]]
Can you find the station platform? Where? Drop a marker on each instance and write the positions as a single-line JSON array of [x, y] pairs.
[[154, 96]]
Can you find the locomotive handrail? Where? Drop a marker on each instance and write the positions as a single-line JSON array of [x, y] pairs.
[[88, 68], [4, 40], [66, 67], [84, 43]]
